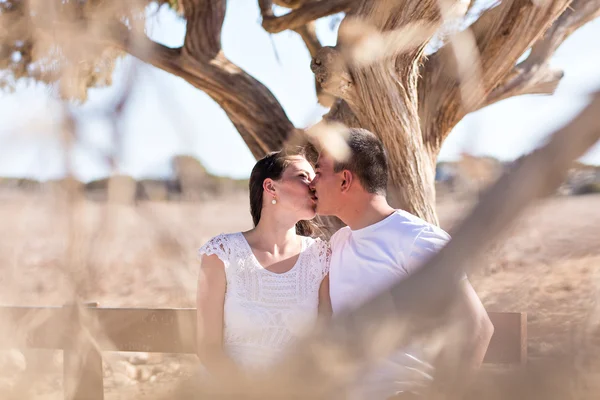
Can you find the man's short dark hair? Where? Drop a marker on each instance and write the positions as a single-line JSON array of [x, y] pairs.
[[367, 160]]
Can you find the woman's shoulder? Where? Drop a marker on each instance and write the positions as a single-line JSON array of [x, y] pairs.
[[315, 241], [222, 245], [319, 247]]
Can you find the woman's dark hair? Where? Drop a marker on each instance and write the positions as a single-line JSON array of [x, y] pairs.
[[272, 167]]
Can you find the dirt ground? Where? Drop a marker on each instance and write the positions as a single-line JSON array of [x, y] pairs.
[[547, 265]]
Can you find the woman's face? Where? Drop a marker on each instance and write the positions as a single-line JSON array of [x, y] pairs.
[[293, 193]]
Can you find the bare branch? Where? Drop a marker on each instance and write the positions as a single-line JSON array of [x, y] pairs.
[[579, 13], [301, 16], [251, 107], [502, 35], [543, 80], [533, 75], [146, 50], [309, 35]]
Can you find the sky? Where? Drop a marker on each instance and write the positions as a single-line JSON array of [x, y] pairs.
[[166, 116]]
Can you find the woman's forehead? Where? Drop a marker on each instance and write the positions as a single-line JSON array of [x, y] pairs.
[[299, 163]]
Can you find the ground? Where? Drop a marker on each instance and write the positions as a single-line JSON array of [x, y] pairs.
[[144, 256]]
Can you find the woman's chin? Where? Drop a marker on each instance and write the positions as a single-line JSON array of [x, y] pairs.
[[310, 215]]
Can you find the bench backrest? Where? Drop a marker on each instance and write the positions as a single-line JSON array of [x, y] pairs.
[[167, 331]]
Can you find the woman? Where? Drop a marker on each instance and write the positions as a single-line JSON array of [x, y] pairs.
[[261, 289]]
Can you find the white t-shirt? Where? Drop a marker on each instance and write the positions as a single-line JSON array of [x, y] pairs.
[[368, 260]]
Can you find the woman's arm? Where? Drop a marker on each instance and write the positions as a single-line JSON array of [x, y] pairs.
[[210, 302], [325, 310]]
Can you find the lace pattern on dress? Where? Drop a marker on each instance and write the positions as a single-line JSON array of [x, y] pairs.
[[218, 245], [265, 312]]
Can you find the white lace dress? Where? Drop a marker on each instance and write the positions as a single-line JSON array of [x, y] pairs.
[[266, 311]]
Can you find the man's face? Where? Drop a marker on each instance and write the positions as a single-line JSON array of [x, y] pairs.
[[326, 186]]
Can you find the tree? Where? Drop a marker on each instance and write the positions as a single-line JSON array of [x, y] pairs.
[[378, 76]]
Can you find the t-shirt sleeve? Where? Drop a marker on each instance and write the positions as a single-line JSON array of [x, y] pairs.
[[218, 245], [427, 243], [338, 237]]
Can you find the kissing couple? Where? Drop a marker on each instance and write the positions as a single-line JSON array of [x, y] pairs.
[[262, 289]]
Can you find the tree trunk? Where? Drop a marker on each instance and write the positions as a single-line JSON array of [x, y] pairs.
[[380, 94]]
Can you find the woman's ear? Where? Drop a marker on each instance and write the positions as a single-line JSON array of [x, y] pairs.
[[269, 187], [347, 179]]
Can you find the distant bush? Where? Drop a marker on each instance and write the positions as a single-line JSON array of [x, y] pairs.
[[586, 188]]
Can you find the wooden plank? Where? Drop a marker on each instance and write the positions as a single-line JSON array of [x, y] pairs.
[[174, 331], [148, 330], [509, 342]]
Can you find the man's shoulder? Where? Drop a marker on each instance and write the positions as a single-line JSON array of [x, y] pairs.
[[413, 227], [341, 235]]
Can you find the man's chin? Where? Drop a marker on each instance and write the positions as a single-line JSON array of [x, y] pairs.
[[321, 212]]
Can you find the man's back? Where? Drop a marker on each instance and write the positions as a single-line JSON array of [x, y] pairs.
[[368, 260]]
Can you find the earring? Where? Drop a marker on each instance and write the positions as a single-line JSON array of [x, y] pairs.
[[273, 201]]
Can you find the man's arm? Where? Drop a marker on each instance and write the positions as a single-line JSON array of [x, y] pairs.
[[479, 328], [456, 367]]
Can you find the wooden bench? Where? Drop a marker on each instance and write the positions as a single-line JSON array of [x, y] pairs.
[[160, 331]]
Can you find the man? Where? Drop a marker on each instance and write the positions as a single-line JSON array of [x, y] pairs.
[[379, 246]]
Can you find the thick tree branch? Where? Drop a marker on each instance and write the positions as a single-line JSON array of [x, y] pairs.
[[306, 13], [502, 34], [141, 47], [251, 107], [533, 75]]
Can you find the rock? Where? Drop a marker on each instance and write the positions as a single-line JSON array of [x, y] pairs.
[[131, 371], [144, 374], [121, 379], [139, 359], [173, 367]]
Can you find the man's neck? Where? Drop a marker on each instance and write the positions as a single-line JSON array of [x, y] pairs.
[[366, 211]]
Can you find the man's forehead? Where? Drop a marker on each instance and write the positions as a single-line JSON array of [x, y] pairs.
[[324, 159]]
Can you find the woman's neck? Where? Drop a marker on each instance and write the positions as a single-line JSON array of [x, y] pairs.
[[274, 235]]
